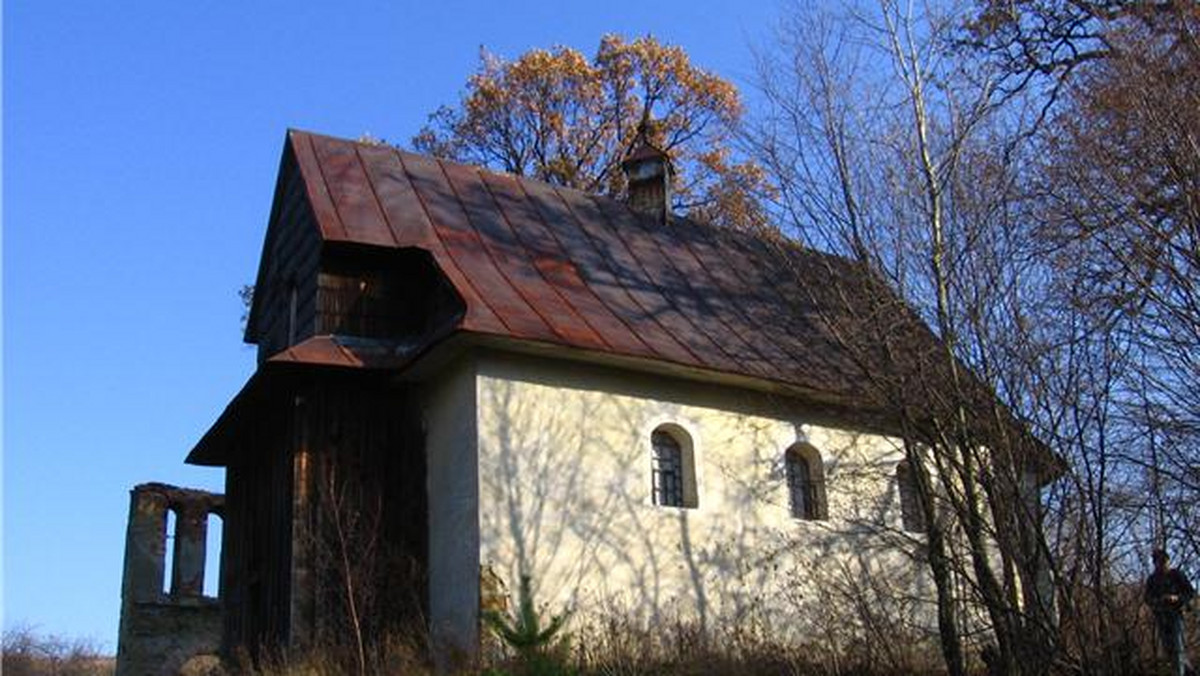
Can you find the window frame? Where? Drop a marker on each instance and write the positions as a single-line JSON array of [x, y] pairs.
[[912, 516], [815, 500], [666, 470], [688, 486]]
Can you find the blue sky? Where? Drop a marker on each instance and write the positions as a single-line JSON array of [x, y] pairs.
[[141, 141]]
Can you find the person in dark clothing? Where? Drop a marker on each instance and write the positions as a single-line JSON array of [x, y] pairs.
[[1168, 593]]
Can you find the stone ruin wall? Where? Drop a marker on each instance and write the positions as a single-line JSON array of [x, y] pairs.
[[165, 633]]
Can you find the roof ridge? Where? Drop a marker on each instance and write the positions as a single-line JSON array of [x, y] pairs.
[[630, 276], [681, 219]]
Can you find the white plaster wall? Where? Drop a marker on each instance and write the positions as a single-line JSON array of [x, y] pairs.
[[565, 496], [452, 483]]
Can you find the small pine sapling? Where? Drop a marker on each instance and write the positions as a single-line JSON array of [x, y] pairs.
[[540, 648]]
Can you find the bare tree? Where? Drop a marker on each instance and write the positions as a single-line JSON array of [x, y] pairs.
[[349, 545], [1119, 208], [892, 153]]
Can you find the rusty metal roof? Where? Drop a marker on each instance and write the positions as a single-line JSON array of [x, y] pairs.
[[546, 266], [345, 352], [543, 263], [543, 267]]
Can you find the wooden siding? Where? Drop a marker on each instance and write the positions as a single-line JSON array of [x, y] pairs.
[[302, 281], [358, 304], [390, 294], [368, 488], [290, 260], [335, 465], [257, 533]]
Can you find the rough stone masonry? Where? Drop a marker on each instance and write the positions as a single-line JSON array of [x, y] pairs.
[[163, 631]]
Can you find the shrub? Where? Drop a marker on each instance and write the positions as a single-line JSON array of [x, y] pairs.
[[27, 653]]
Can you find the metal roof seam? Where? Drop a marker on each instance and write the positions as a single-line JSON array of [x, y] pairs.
[[669, 295], [446, 250], [349, 185], [402, 210], [325, 196], [487, 250], [375, 196], [645, 311], [702, 341], [347, 355], [738, 308], [759, 284], [820, 330], [541, 217], [553, 287], [705, 306]]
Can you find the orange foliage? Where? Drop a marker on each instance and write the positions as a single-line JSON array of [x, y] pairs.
[[556, 116]]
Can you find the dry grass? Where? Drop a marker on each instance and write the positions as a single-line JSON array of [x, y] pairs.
[[404, 654], [619, 648], [27, 653], [614, 647]]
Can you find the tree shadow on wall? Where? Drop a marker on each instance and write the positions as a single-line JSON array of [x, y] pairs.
[[565, 493]]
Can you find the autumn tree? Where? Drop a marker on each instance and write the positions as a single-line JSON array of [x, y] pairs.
[[557, 116]]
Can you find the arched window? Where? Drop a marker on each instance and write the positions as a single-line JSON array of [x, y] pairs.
[[806, 483], [912, 518], [672, 468]]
